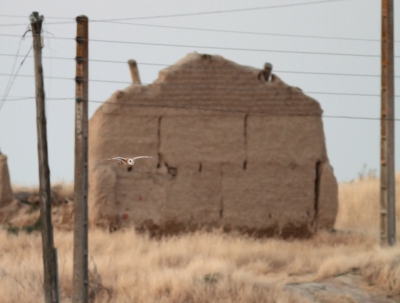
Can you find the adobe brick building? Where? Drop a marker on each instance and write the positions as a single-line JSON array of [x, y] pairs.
[[6, 194], [233, 148]]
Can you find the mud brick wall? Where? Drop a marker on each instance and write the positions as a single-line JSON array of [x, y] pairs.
[[6, 194], [231, 150]]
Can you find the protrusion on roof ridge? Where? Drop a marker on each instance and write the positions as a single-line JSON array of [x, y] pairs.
[[134, 71], [267, 71]]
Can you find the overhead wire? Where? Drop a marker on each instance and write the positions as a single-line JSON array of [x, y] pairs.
[[12, 75], [27, 16], [16, 98], [218, 31], [13, 67], [49, 23], [230, 88], [200, 68], [218, 47], [242, 112], [225, 11], [218, 110], [244, 32], [238, 49], [178, 15], [212, 47], [196, 13]]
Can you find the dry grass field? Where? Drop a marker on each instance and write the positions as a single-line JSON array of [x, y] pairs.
[[359, 205], [214, 267]]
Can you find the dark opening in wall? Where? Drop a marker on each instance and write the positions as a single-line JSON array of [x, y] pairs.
[[316, 192], [159, 141], [245, 140], [173, 171]]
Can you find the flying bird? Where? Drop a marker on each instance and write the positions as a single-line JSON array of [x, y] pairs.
[[126, 161]]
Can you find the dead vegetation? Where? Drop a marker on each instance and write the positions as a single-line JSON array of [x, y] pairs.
[[359, 205], [213, 267], [200, 267]]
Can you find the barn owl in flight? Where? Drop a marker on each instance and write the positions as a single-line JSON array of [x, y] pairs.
[[126, 161]]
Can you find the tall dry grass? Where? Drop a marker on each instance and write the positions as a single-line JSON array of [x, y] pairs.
[[359, 206], [210, 267], [200, 267]]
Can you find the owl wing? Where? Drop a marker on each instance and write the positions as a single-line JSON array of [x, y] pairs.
[[119, 159], [142, 157]]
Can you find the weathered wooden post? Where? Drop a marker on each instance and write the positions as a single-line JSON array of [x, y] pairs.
[[80, 272], [387, 187], [49, 264]]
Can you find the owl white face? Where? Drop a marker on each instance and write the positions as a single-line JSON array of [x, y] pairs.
[[131, 161]]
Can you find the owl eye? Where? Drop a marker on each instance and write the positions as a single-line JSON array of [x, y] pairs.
[[130, 161]]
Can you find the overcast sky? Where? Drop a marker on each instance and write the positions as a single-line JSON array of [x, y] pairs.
[[351, 143]]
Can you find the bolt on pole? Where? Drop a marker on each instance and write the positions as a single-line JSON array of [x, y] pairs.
[[80, 269], [387, 186], [49, 261]]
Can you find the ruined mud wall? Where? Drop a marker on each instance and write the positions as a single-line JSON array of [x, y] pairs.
[[231, 150], [6, 195]]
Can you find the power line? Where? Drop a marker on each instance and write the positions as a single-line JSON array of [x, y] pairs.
[[12, 71], [56, 58], [242, 112], [47, 23], [11, 99], [58, 38], [224, 11], [242, 32], [275, 71], [177, 15], [218, 110], [15, 24], [237, 111], [220, 31], [193, 14], [27, 17], [237, 49], [229, 88], [13, 77], [200, 68], [217, 30], [218, 47]]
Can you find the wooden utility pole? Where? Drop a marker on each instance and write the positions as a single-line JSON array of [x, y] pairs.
[[387, 188], [49, 261], [80, 273]]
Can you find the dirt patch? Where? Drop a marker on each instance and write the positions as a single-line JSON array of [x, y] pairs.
[[348, 288]]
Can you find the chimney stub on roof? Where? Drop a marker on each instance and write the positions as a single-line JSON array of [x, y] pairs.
[[134, 71]]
